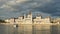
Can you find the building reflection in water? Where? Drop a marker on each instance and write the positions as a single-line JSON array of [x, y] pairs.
[[30, 29], [41, 29], [55, 29]]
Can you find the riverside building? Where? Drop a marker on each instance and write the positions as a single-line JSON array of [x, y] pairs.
[[29, 20]]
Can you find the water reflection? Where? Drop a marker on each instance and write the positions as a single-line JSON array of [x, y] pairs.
[[30, 29], [41, 29], [54, 29]]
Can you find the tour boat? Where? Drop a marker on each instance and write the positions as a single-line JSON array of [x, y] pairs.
[[15, 25]]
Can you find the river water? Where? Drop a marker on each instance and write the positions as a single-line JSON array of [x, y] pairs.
[[28, 29]]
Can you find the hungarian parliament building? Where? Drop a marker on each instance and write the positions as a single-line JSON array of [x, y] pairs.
[[30, 20]]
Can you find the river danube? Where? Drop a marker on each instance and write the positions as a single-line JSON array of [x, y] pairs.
[[28, 29]]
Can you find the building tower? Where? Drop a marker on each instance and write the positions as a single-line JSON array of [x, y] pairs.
[[48, 19], [29, 18], [39, 16], [30, 15]]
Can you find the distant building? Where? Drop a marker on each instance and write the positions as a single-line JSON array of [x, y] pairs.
[[7, 20], [29, 20]]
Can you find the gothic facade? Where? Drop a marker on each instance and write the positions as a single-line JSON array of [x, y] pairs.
[[29, 20]]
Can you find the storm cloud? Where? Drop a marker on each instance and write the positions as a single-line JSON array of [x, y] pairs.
[[15, 8]]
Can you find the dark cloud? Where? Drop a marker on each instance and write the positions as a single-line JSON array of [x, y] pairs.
[[3, 2], [50, 7]]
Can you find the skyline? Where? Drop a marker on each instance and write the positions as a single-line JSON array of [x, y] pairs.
[[15, 8]]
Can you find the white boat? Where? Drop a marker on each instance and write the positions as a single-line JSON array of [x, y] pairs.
[[15, 25]]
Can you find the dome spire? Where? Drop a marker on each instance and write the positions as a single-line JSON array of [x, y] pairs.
[[30, 12]]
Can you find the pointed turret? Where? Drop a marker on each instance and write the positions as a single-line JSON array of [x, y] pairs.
[[30, 15], [39, 16]]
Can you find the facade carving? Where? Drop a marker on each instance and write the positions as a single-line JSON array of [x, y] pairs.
[[29, 20]]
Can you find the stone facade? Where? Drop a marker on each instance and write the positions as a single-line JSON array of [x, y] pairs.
[[29, 20]]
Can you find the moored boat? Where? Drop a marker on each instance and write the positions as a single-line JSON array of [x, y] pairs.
[[15, 25]]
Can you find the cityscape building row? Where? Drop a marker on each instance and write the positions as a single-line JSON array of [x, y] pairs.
[[29, 20]]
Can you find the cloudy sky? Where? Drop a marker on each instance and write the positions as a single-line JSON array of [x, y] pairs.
[[15, 8]]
